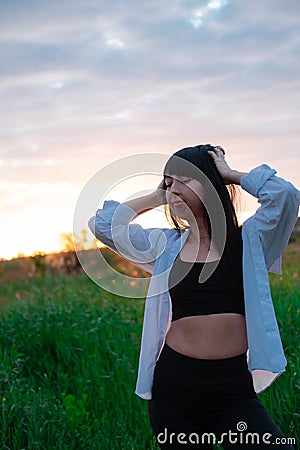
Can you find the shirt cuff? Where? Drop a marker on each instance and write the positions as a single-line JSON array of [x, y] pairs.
[[117, 212]]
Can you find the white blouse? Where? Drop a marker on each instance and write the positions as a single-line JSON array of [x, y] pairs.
[[265, 236]]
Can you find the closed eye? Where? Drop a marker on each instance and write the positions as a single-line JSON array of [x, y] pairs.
[[169, 180]]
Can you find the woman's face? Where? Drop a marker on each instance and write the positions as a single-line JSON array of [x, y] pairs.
[[184, 196]]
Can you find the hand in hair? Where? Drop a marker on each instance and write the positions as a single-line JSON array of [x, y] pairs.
[[229, 175], [160, 192], [147, 202]]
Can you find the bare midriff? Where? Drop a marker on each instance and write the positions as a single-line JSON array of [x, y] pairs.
[[213, 336]]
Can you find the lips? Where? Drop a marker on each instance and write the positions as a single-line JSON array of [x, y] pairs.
[[178, 203]]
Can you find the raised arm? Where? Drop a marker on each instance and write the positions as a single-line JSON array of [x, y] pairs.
[[112, 226], [275, 219], [279, 201], [229, 175], [147, 202]]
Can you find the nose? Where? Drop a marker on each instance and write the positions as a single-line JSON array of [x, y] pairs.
[[173, 191], [175, 186]]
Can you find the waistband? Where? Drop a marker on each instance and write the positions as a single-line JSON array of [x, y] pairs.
[[173, 362]]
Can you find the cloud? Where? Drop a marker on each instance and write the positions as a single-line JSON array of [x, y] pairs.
[[86, 82]]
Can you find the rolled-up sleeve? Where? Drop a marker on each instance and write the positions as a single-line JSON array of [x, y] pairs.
[[112, 226]]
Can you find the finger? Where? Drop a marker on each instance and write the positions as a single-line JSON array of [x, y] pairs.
[[220, 148], [217, 153], [162, 185], [220, 153], [212, 154]]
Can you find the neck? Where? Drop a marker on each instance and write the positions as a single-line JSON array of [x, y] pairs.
[[198, 231]]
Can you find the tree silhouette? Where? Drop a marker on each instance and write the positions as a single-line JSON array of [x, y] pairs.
[[71, 263]]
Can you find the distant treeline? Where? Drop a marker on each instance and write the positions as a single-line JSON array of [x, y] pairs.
[[67, 262]]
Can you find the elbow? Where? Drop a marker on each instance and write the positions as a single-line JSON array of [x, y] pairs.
[[91, 224], [288, 195], [98, 230], [280, 203], [292, 197]]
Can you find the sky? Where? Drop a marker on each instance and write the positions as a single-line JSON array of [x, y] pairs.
[[86, 83]]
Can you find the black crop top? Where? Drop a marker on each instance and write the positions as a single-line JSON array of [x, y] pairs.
[[191, 298]]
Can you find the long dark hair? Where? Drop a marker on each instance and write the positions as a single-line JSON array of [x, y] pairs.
[[229, 196]]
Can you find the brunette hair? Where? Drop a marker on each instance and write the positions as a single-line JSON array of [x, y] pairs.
[[229, 196]]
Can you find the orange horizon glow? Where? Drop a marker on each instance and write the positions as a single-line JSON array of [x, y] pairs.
[[87, 86], [51, 249]]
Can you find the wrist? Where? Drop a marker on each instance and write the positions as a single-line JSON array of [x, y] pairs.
[[156, 198], [234, 176], [144, 203]]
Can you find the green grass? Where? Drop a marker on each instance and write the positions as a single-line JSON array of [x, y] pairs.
[[69, 357]]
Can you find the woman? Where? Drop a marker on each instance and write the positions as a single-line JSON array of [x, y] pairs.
[[210, 338]]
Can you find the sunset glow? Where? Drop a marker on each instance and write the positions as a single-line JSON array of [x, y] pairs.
[[84, 86]]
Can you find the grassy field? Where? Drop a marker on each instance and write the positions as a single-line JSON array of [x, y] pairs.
[[69, 356]]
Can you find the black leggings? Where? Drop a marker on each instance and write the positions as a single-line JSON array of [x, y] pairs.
[[198, 402]]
